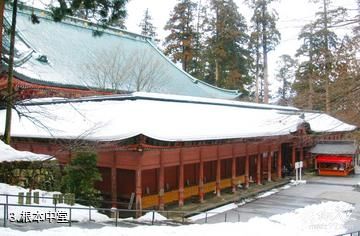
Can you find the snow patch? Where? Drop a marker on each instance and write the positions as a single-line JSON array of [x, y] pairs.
[[149, 217], [294, 182], [245, 201], [213, 212], [268, 193], [326, 218], [285, 187]]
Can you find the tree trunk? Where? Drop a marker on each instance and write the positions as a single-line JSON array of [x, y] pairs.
[[9, 92], [266, 79], [2, 8], [311, 74], [264, 43], [311, 93], [217, 72], [257, 84], [327, 61], [257, 62]]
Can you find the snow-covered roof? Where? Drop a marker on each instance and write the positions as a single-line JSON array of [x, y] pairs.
[[163, 117], [335, 148], [57, 54], [9, 154]]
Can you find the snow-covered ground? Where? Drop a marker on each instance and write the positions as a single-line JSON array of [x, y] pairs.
[[149, 217], [18, 211], [213, 212], [9, 154], [231, 206], [327, 218]]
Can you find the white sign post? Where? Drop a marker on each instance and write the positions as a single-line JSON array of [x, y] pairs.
[[301, 164], [297, 166]]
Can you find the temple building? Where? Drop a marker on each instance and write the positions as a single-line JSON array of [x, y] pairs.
[[163, 149], [161, 136]]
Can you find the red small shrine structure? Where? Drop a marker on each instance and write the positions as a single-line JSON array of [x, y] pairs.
[[336, 158]]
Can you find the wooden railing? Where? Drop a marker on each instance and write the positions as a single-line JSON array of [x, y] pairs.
[[191, 191], [150, 201], [173, 196], [209, 187]]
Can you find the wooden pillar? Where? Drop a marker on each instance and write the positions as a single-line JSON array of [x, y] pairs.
[[181, 179], [301, 153], [138, 191], [233, 170], [218, 173], [114, 183], [293, 156], [269, 159], [279, 163], [247, 170], [161, 182], [233, 174], [247, 166], [201, 178], [258, 168]]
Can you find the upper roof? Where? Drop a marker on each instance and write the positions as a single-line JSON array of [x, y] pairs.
[[163, 117], [335, 148], [57, 54]]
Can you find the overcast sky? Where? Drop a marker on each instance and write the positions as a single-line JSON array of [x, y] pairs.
[[293, 14]]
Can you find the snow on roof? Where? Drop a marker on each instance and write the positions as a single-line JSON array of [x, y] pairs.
[[9, 154], [68, 47], [335, 148], [163, 117]]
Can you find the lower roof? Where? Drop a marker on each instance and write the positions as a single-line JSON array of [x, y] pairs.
[[335, 148], [8, 154], [162, 117]]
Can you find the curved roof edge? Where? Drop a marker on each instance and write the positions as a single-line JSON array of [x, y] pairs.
[[30, 80]]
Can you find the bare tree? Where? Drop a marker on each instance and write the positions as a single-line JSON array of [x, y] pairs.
[[119, 69]]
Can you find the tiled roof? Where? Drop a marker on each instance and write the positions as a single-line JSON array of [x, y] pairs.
[[57, 54]]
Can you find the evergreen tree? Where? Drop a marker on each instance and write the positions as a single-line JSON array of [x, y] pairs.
[[80, 177], [179, 44], [266, 38], [345, 90], [257, 65], [285, 75], [105, 12], [147, 27], [227, 43], [198, 65], [319, 46]]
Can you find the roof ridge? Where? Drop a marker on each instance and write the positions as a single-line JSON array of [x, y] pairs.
[[167, 98], [83, 23]]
